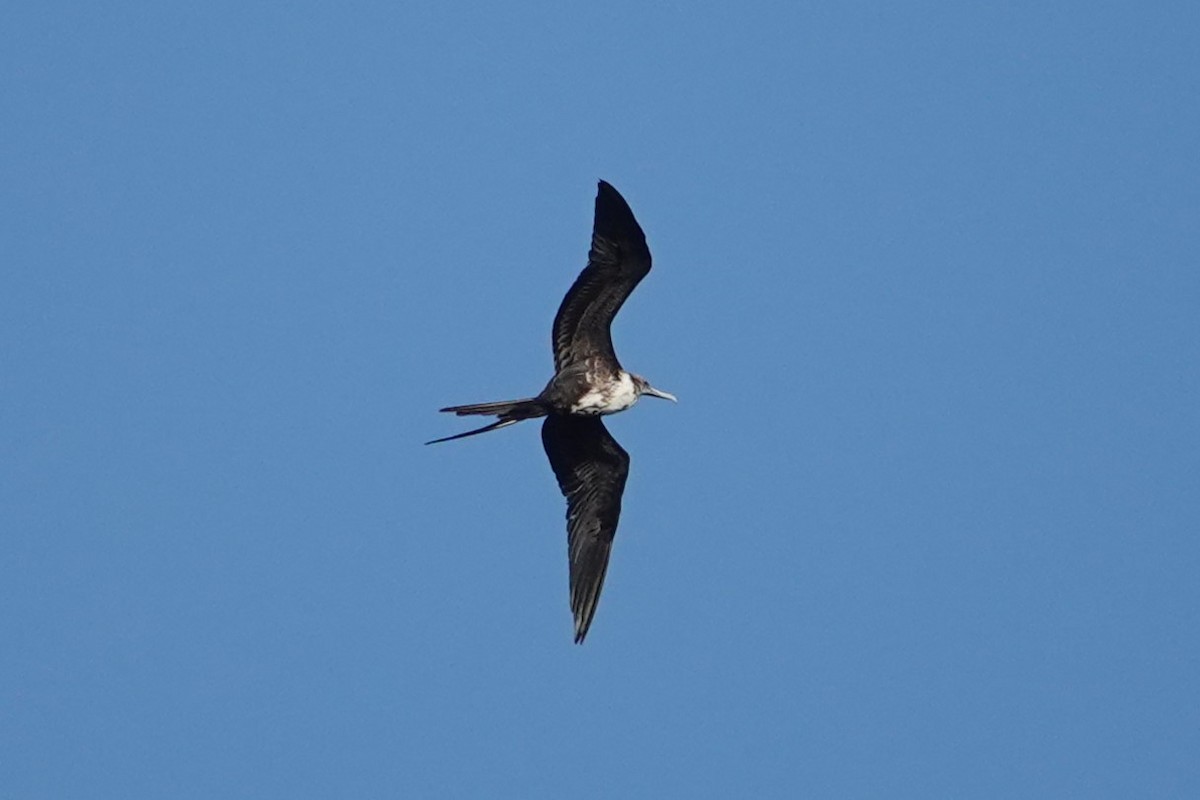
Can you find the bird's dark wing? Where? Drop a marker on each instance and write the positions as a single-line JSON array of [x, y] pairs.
[[591, 469], [618, 260]]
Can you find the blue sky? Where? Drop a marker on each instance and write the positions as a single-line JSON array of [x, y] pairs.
[[923, 523]]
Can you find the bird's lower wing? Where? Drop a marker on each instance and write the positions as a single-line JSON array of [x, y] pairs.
[[591, 469]]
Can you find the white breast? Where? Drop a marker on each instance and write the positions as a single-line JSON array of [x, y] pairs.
[[609, 399]]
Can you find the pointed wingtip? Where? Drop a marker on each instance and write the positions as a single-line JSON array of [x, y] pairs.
[[614, 218], [605, 190]]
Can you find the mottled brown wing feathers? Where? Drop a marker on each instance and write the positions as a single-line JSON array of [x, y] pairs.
[[591, 469], [617, 262]]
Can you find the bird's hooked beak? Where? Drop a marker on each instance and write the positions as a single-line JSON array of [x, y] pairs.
[[650, 390]]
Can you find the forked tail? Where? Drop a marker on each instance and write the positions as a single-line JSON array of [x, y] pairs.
[[509, 412]]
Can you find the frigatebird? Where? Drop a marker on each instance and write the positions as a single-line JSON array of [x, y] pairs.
[[588, 383]]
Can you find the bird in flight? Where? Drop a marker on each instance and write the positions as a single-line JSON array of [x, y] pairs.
[[588, 383]]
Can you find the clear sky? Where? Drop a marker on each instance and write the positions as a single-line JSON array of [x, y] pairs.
[[922, 525]]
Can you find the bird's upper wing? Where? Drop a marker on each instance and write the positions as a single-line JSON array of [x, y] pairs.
[[591, 469], [618, 260]]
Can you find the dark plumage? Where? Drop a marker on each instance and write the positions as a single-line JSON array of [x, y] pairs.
[[617, 262], [588, 382], [591, 469]]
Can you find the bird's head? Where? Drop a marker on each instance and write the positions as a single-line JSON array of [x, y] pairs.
[[643, 387]]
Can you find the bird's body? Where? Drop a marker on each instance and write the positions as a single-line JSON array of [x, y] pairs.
[[590, 388], [588, 382], [606, 395]]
